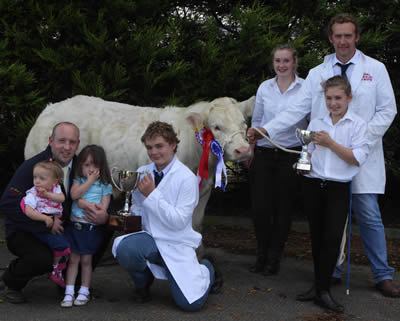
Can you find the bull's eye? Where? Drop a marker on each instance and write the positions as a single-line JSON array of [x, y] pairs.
[[216, 128]]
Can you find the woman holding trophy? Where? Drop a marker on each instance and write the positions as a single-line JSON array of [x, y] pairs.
[[273, 183]]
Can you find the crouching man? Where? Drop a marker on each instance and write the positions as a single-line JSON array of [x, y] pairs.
[[165, 198]]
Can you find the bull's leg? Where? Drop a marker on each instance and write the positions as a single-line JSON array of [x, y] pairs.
[[198, 214], [199, 211]]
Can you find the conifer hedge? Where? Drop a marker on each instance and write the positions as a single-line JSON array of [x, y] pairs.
[[159, 52]]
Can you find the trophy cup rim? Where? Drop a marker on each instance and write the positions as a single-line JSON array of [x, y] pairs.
[[119, 186], [304, 136]]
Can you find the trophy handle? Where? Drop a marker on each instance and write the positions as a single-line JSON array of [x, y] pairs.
[[112, 179], [139, 174]]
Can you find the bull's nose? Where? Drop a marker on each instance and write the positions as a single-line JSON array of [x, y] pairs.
[[243, 152]]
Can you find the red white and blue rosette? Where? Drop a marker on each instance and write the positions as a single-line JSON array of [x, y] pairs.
[[206, 139]]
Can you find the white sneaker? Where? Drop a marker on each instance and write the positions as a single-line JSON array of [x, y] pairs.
[[68, 301]]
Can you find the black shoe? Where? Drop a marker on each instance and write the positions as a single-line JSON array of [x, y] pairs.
[[259, 265], [271, 269], [336, 281], [216, 287], [142, 295], [2, 285], [14, 296], [309, 295], [325, 300]]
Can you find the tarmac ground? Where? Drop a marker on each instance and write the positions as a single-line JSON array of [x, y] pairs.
[[245, 296]]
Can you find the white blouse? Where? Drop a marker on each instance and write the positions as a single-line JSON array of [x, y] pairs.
[[350, 132], [270, 102]]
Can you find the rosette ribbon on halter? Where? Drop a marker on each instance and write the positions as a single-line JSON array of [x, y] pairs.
[[206, 139]]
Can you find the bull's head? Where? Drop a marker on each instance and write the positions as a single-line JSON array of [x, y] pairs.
[[226, 119]]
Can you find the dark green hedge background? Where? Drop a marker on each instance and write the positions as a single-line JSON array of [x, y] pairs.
[[159, 52]]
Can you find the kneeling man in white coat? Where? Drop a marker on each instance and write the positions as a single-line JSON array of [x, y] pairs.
[[165, 198]]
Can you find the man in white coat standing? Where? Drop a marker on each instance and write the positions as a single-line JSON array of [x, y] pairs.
[[165, 198], [374, 101]]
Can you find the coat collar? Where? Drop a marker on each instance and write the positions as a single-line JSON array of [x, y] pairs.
[[171, 168], [349, 115], [356, 76]]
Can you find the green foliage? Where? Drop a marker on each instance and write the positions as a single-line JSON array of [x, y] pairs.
[[21, 102]]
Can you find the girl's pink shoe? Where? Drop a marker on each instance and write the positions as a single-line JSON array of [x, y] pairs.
[[57, 277], [65, 252]]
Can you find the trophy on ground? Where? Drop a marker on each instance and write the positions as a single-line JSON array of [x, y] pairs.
[[124, 221], [305, 136]]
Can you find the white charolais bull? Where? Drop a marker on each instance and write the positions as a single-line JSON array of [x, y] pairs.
[[118, 128]]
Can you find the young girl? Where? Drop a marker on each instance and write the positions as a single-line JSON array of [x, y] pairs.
[[91, 186], [41, 203], [339, 147]]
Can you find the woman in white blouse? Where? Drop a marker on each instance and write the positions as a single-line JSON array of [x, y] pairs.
[[273, 181]]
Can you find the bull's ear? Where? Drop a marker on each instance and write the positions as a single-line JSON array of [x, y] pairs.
[[247, 106], [196, 120]]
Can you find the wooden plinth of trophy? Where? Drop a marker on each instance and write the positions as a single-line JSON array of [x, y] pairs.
[[125, 223]]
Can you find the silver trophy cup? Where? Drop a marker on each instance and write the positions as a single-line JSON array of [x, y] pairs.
[[123, 221], [304, 136], [123, 176]]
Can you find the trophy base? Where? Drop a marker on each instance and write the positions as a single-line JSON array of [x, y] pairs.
[[125, 224], [124, 213], [303, 167]]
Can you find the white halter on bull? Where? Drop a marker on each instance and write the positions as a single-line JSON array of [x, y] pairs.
[[276, 144]]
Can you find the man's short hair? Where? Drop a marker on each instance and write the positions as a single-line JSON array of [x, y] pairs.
[[343, 18], [53, 133], [162, 129]]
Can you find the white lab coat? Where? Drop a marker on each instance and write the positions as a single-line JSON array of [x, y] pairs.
[[373, 100], [167, 217]]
